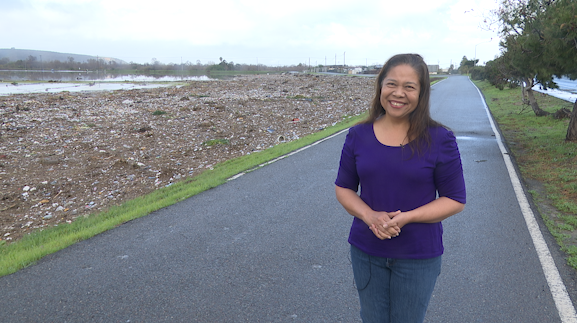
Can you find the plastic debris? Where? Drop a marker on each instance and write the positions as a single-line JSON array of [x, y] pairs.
[[76, 153]]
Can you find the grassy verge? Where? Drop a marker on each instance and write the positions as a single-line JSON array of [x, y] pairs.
[[547, 163], [32, 247]]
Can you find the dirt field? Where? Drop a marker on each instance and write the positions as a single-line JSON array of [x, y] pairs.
[[66, 155]]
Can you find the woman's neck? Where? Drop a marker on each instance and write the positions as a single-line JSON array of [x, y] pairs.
[[392, 132], [395, 124]]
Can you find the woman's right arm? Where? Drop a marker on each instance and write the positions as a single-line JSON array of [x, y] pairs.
[[356, 207]]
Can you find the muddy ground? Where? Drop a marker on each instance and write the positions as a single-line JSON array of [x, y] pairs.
[[65, 155]]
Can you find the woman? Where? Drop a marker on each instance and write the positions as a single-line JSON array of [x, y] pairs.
[[402, 159]]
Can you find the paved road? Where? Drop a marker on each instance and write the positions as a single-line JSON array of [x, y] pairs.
[[271, 246]]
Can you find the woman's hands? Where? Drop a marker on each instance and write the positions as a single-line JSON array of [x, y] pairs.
[[387, 225], [432, 212], [382, 224]]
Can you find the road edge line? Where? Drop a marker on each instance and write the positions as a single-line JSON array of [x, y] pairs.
[[289, 154], [556, 286]]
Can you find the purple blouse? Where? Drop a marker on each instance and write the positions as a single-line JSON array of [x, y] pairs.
[[395, 178]]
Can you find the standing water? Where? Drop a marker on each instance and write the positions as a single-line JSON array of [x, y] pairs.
[[567, 89], [36, 81]]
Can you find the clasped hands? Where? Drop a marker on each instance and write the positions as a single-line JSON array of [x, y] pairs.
[[383, 224]]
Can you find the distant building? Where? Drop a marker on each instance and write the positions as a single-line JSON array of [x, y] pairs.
[[355, 70], [433, 69]]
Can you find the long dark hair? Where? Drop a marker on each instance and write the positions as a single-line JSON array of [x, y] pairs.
[[420, 119]]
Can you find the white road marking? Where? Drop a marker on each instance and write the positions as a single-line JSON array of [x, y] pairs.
[[289, 154], [558, 290]]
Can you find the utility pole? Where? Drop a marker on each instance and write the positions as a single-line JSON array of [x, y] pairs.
[[475, 59]]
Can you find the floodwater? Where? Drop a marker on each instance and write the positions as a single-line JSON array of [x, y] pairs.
[[567, 89], [8, 88], [80, 75], [18, 82], [567, 85]]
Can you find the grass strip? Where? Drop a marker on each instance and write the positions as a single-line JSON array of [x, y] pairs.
[[38, 244], [548, 164]]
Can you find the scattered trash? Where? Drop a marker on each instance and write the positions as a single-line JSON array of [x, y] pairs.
[[70, 154]]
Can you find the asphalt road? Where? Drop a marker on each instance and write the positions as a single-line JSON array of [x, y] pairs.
[[271, 246]]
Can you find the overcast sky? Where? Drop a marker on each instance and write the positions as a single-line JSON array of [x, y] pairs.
[[268, 32]]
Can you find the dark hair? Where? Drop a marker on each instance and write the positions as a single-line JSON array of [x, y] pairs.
[[420, 119]]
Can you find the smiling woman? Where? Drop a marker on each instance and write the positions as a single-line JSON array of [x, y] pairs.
[[401, 158]]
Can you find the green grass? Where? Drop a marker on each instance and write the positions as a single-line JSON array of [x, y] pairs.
[[33, 247], [216, 142], [539, 147]]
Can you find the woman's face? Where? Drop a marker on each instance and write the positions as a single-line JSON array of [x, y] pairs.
[[400, 91]]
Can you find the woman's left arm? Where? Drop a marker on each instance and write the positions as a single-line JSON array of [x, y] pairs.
[[450, 185], [435, 211]]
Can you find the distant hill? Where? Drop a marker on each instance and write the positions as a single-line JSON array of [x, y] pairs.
[[14, 55]]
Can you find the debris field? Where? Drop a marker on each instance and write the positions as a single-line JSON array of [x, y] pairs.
[[65, 155]]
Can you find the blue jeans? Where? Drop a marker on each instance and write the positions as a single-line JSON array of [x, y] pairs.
[[394, 290]]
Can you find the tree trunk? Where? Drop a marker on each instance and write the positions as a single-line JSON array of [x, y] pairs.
[[572, 129], [532, 101], [524, 92]]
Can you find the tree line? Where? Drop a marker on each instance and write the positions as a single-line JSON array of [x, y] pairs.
[[33, 63], [538, 44]]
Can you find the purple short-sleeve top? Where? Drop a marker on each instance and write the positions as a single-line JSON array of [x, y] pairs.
[[396, 178]]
